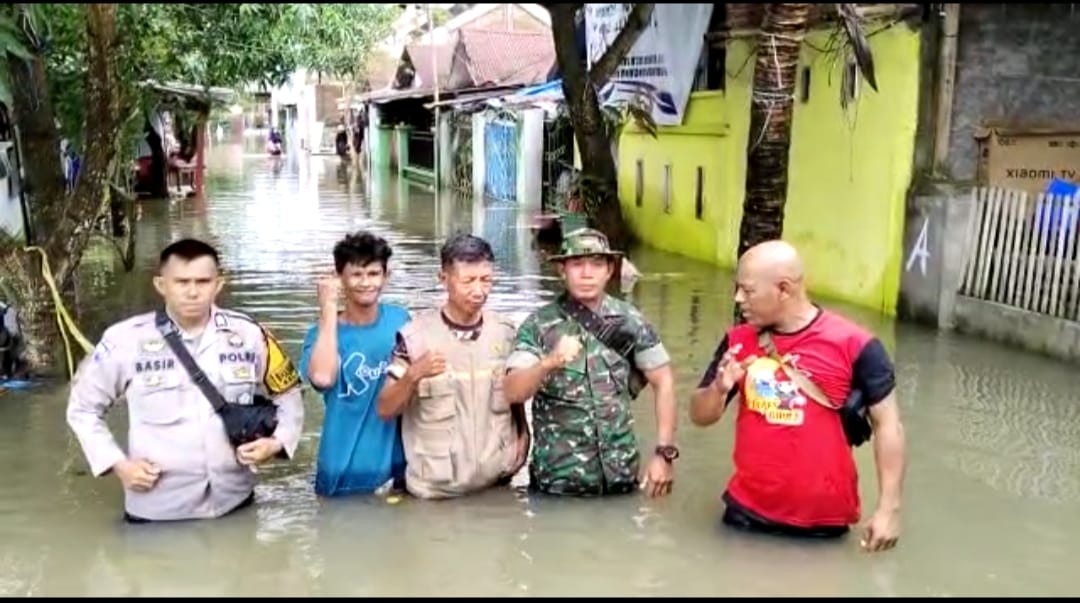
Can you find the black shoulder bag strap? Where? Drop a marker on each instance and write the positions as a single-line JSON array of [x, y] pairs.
[[608, 333], [172, 337]]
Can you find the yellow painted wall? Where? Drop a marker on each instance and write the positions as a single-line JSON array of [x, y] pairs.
[[848, 179]]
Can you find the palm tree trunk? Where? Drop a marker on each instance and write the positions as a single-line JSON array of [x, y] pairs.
[[769, 138]]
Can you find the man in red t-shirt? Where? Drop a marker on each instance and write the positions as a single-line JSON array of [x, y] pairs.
[[794, 471]]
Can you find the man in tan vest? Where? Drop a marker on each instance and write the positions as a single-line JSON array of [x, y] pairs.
[[445, 381]]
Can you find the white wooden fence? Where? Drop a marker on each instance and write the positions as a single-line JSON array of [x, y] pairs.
[[1022, 251]]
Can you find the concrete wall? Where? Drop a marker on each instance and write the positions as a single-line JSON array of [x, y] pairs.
[[530, 159], [479, 162], [1013, 62], [1034, 332], [933, 265], [848, 180], [445, 156], [934, 252]]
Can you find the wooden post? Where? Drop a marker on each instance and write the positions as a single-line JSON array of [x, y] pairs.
[[946, 85], [200, 151]]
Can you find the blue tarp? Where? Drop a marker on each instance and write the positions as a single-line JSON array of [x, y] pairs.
[[552, 87], [1060, 213]]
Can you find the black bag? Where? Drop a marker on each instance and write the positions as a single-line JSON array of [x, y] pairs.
[[243, 422], [610, 333], [853, 413]]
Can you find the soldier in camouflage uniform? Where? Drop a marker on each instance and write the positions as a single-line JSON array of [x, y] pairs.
[[583, 359]]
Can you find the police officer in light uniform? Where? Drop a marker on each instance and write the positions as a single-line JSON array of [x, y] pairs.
[[179, 462]]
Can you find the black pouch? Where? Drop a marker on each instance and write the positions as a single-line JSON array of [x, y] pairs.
[[855, 419], [248, 422]]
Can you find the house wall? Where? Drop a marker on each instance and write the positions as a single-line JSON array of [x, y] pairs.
[[508, 17], [326, 97], [1016, 62], [848, 178]]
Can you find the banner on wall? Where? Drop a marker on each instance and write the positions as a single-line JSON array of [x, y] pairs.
[[663, 61]]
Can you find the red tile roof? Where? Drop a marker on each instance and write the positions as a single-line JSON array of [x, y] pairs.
[[506, 57]]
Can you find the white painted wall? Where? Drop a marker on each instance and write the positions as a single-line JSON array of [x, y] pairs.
[[479, 121], [530, 159], [446, 150], [297, 91]]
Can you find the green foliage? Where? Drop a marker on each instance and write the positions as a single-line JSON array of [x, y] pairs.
[[440, 16], [226, 45], [14, 21]]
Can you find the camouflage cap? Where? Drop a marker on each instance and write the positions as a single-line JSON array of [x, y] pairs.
[[584, 242]]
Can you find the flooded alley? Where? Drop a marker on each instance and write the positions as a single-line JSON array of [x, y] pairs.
[[991, 498]]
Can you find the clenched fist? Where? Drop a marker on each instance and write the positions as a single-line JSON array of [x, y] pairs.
[[566, 351], [329, 288]]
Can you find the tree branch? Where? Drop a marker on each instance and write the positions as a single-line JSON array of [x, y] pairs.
[[636, 22]]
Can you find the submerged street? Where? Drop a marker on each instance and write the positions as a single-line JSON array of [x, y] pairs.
[[990, 499]]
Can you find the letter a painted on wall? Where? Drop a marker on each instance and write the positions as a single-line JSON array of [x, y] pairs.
[[921, 250]]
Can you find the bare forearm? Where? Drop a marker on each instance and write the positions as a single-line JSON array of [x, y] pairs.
[[323, 367], [521, 384], [395, 395], [707, 406], [666, 411], [889, 453]]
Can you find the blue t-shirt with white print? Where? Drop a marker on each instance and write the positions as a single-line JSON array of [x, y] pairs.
[[358, 451]]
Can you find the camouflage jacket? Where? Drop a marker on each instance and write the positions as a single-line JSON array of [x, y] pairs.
[[583, 428]]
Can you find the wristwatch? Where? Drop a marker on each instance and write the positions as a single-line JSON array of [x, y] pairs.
[[396, 371], [668, 453]]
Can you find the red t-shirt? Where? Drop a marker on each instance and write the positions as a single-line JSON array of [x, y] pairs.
[[793, 465]]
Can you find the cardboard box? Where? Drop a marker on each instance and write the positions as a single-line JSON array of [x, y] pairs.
[[1027, 158]]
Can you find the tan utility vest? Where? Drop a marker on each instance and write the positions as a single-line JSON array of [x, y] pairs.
[[457, 431]]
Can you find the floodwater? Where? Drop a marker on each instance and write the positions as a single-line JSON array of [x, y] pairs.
[[991, 503]]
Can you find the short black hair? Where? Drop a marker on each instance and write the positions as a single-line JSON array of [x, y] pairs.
[[465, 248], [361, 248], [188, 249]]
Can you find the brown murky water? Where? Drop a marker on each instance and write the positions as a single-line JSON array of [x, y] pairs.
[[992, 499]]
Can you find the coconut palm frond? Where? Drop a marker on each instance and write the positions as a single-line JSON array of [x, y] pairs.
[[852, 25]]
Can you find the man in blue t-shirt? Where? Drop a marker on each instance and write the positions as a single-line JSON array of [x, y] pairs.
[[345, 358]]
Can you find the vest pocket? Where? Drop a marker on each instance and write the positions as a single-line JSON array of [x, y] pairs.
[[436, 467], [436, 400]]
